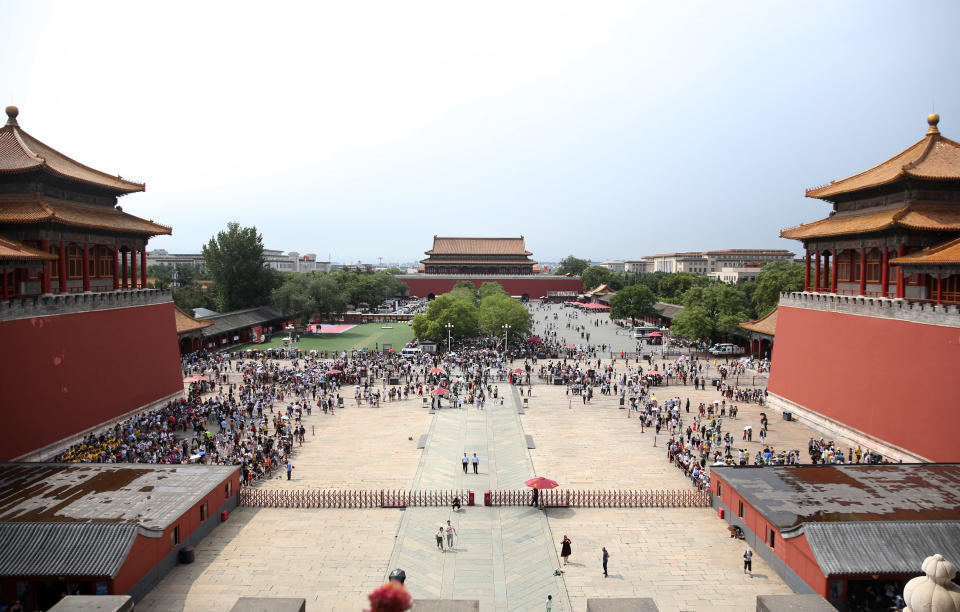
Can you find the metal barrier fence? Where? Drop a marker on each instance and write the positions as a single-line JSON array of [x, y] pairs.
[[333, 498], [617, 498]]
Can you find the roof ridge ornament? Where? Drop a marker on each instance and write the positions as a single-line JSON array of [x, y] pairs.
[[12, 112], [933, 119]]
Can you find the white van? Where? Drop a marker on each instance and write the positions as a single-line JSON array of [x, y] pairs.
[[411, 351], [725, 349]]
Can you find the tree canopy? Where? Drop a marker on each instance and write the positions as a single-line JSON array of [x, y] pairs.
[[711, 312], [304, 296], [594, 276], [633, 302], [498, 310], [469, 318], [773, 279], [235, 260], [447, 308], [572, 265]]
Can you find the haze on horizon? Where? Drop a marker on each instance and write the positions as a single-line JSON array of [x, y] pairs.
[[608, 130]]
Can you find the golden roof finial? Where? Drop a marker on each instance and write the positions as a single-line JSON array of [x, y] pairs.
[[12, 112], [933, 119]]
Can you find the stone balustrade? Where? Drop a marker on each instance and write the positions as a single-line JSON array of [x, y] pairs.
[[886, 308], [73, 303]]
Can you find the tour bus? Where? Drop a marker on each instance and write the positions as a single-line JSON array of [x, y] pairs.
[[643, 331]]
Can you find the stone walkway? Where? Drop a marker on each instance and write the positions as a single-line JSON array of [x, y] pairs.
[[503, 557]]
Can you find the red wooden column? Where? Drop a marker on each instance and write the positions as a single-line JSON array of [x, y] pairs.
[[863, 271], [939, 288], [86, 267], [901, 251], [884, 272], [806, 273], [45, 274], [143, 267], [116, 268], [133, 267], [124, 279], [816, 273], [833, 272], [62, 280]]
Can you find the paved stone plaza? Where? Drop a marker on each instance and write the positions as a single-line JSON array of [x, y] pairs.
[[504, 556]]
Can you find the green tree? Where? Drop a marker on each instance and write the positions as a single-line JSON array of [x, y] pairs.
[[634, 302], [491, 288], [186, 273], [163, 275], [499, 309], [235, 260], [193, 296], [671, 287], [572, 265], [594, 276], [692, 324], [461, 314], [722, 306], [773, 279]]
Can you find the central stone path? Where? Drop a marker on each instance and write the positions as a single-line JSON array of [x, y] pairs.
[[501, 554]]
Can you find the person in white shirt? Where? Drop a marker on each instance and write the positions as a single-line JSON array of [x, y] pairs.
[[451, 531]]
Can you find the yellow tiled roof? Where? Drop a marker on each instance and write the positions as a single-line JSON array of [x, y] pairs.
[[11, 250], [766, 325], [913, 216], [933, 158], [946, 253], [20, 210], [21, 152], [478, 246], [186, 323]]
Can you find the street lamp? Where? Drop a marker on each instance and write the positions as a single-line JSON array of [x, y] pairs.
[[449, 327], [506, 330]]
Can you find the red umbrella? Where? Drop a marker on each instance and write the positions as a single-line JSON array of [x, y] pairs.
[[535, 339], [436, 371], [653, 372], [194, 379], [518, 371], [569, 346], [439, 391], [541, 483], [655, 335], [334, 372]]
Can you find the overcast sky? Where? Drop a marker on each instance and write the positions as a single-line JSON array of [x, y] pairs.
[[602, 129]]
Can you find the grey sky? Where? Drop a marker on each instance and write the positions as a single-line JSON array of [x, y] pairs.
[[607, 130]]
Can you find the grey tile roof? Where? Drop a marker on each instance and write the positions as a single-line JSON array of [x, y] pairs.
[[239, 319], [667, 311], [790, 495], [884, 547], [64, 549], [152, 496]]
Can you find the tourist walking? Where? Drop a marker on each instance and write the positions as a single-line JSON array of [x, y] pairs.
[[476, 463], [565, 550], [549, 603], [439, 536], [289, 469], [465, 461], [606, 557], [748, 561], [451, 531]]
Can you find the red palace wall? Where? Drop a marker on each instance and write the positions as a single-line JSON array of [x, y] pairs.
[[891, 379], [533, 286], [66, 373]]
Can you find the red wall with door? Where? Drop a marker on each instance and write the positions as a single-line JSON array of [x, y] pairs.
[[532, 286], [894, 380], [64, 374]]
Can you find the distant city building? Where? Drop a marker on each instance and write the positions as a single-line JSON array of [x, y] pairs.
[[705, 262], [272, 258], [293, 261], [160, 256], [614, 265], [638, 266], [735, 275]]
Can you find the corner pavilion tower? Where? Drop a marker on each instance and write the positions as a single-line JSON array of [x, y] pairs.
[[85, 342], [861, 350], [906, 204]]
